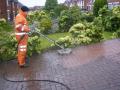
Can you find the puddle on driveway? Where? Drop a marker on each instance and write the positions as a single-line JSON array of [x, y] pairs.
[[84, 54], [50, 65]]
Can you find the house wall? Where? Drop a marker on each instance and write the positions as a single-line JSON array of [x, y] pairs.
[[8, 9], [3, 9], [86, 4]]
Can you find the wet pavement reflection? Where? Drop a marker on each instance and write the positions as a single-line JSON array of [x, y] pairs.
[[92, 67]]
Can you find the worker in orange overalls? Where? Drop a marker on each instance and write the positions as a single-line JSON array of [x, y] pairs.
[[21, 32]]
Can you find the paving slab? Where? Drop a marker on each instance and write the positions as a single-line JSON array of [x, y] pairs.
[[91, 67]]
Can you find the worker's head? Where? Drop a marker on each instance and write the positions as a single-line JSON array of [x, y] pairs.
[[25, 9]]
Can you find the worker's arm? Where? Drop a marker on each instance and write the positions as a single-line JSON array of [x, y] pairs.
[[20, 25], [25, 28]]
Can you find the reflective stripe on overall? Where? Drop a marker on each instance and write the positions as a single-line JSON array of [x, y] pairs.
[[21, 29]]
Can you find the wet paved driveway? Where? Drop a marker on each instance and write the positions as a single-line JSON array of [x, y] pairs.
[[92, 67]]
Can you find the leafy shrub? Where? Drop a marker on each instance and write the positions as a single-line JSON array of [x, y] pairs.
[[50, 5], [59, 9], [89, 17], [52, 14], [76, 29], [43, 19], [86, 33], [94, 32], [4, 26], [116, 11], [75, 13], [98, 22], [115, 19], [34, 45], [98, 4], [82, 34], [110, 18], [8, 43], [8, 50], [115, 23], [65, 21], [65, 41], [68, 18], [45, 25], [116, 34]]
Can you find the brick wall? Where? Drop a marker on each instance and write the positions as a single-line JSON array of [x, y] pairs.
[[3, 9], [8, 10], [85, 3], [113, 0]]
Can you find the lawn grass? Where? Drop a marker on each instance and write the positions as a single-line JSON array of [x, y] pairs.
[[107, 35], [45, 44]]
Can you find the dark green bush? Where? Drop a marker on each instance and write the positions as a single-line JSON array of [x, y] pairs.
[[98, 4], [50, 5], [75, 13], [110, 18], [68, 18], [116, 34], [65, 21], [59, 9], [89, 17]]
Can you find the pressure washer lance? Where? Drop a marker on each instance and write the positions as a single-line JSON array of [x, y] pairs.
[[63, 51]]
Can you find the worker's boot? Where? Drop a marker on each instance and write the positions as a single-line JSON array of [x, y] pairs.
[[27, 60], [24, 66]]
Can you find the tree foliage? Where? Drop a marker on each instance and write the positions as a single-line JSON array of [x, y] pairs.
[[51, 5], [59, 9], [65, 21], [98, 4], [68, 18], [75, 13], [43, 20], [110, 18]]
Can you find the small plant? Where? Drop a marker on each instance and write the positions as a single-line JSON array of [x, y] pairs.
[[65, 41], [116, 34]]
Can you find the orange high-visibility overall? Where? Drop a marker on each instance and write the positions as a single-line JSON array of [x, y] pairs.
[[21, 29]]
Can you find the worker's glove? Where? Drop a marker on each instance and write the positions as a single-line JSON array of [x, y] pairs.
[[32, 32], [33, 29]]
